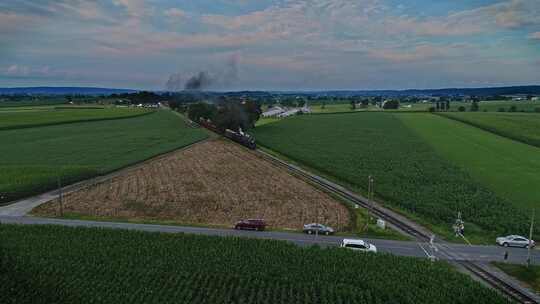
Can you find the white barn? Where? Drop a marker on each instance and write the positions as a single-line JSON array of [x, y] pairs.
[[275, 111]]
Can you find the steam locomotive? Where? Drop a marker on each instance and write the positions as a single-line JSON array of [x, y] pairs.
[[240, 137]]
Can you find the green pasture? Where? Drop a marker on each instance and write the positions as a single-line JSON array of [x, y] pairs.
[[508, 168], [523, 127]]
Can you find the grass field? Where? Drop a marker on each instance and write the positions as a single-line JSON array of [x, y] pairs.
[[53, 264], [530, 276], [32, 158], [495, 105], [524, 127], [26, 119], [26, 103], [214, 183], [508, 168], [410, 174]]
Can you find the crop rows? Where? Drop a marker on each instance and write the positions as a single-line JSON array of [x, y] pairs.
[[408, 173], [80, 265], [523, 127], [215, 183], [33, 158], [29, 119]]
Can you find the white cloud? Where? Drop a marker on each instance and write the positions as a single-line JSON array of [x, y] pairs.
[[135, 8]]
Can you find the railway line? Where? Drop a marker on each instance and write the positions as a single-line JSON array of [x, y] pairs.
[[406, 227]]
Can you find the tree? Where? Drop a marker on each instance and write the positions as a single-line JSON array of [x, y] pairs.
[[353, 105], [253, 111], [474, 106], [462, 109], [232, 116], [447, 105], [323, 105], [512, 109], [200, 110], [365, 103], [391, 104]]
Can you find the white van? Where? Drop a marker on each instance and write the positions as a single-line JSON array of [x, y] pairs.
[[359, 245]]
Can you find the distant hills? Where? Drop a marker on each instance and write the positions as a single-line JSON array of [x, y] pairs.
[[63, 91], [513, 90]]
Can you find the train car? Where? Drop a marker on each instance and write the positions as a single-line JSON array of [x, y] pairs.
[[240, 137]]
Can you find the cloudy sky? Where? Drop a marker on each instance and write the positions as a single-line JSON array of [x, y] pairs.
[[270, 44]]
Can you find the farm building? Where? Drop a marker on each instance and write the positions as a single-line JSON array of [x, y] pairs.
[[289, 113], [306, 109], [275, 111]]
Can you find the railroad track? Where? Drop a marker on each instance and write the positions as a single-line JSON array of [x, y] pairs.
[[421, 236]]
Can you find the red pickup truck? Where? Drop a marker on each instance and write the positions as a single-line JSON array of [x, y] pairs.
[[251, 224]]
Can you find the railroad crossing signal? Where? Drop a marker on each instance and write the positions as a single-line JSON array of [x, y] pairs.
[[459, 226]]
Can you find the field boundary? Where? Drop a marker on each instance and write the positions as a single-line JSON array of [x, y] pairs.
[[490, 130], [67, 122], [52, 194]]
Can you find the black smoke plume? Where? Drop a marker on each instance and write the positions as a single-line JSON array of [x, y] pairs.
[[200, 82], [205, 80]]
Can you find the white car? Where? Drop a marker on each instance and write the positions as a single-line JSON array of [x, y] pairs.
[[514, 241], [359, 245]]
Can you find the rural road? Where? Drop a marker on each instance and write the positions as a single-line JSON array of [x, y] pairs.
[[401, 248]]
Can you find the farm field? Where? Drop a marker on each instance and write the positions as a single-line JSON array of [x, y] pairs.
[[333, 108], [493, 106], [214, 183], [30, 103], [524, 127], [118, 266], [25, 119], [33, 158], [508, 168], [410, 175]]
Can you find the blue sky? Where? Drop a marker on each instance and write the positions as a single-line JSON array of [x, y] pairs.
[[270, 44]]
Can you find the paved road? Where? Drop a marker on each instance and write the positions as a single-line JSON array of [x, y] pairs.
[[402, 248]]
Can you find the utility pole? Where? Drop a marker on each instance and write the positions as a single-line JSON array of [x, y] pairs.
[[372, 180], [370, 200], [369, 196], [530, 240]]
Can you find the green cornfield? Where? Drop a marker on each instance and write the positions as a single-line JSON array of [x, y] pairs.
[[33, 159], [55, 116], [54, 264], [409, 174]]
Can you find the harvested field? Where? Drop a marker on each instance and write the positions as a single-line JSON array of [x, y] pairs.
[[212, 183]]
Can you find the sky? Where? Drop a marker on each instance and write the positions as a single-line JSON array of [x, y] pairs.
[[270, 44]]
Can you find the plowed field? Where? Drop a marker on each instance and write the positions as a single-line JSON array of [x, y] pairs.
[[212, 183]]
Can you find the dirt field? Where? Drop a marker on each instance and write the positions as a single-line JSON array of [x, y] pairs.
[[212, 183]]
